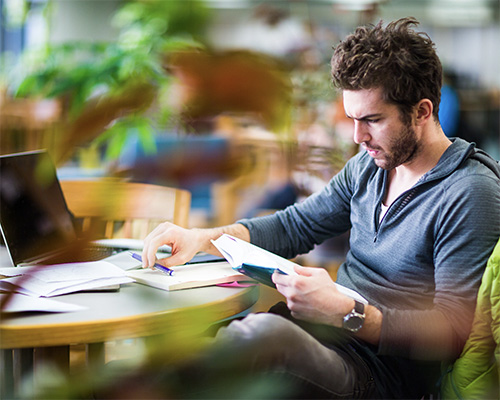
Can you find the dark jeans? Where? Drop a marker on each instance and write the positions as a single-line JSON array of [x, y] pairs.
[[303, 360]]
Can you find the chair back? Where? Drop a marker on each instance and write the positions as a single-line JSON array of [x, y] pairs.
[[125, 209]]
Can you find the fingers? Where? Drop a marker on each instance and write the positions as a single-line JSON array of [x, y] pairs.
[[285, 284], [162, 234], [283, 280], [279, 278], [174, 259], [305, 271], [307, 280], [185, 243]]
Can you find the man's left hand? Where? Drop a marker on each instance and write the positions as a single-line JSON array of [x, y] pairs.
[[312, 296]]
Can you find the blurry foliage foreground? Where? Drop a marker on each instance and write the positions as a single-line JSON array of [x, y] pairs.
[[110, 91], [107, 87], [236, 82]]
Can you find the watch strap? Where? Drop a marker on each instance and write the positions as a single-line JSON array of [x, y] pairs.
[[359, 307]]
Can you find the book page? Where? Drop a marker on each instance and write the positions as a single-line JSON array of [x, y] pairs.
[[240, 252]]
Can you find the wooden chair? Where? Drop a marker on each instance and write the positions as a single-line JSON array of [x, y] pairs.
[[126, 209]]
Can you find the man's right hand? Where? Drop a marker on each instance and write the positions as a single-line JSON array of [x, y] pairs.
[[185, 243]]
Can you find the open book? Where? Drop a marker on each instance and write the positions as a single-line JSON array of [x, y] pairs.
[[188, 276], [260, 264]]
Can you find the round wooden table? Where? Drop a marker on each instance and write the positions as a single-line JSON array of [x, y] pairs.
[[132, 312]]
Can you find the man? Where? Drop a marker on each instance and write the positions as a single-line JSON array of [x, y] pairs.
[[423, 213]]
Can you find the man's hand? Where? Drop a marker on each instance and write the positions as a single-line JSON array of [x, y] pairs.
[[312, 296], [185, 243]]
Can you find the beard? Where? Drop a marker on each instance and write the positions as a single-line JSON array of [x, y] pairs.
[[402, 149]]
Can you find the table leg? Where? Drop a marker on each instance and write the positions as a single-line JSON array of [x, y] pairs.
[[23, 369], [7, 374], [17, 367], [56, 355], [95, 355]]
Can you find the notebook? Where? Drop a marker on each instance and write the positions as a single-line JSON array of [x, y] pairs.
[[188, 276], [36, 225]]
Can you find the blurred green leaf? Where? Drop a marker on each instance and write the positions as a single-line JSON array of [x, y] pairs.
[[81, 73], [116, 141], [179, 43], [146, 135], [29, 85]]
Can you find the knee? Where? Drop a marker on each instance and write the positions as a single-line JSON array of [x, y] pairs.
[[256, 328]]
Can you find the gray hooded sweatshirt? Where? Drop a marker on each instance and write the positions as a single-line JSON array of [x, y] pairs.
[[421, 265]]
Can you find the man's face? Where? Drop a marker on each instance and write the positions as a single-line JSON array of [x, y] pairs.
[[378, 128]]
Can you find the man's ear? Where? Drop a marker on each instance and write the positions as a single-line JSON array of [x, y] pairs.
[[423, 111]]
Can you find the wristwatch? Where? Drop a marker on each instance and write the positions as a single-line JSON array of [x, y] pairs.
[[354, 320]]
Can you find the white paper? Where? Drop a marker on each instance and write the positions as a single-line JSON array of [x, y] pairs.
[[67, 272], [21, 303], [57, 279]]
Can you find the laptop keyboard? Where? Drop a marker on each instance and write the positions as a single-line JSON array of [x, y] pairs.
[[91, 253], [95, 253]]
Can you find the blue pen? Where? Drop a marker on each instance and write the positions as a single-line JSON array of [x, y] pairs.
[[162, 268]]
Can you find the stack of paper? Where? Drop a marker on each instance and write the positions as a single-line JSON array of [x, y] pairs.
[[54, 280]]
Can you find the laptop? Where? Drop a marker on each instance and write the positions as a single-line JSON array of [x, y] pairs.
[[36, 224]]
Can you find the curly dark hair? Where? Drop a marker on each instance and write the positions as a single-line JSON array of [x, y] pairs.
[[397, 59]]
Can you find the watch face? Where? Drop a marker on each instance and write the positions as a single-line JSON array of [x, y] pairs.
[[353, 322]]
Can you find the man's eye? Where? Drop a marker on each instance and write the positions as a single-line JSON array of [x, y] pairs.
[[373, 121]]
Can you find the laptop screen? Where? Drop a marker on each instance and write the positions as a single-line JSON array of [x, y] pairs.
[[34, 218]]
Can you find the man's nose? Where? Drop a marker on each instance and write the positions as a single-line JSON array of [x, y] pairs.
[[361, 133]]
